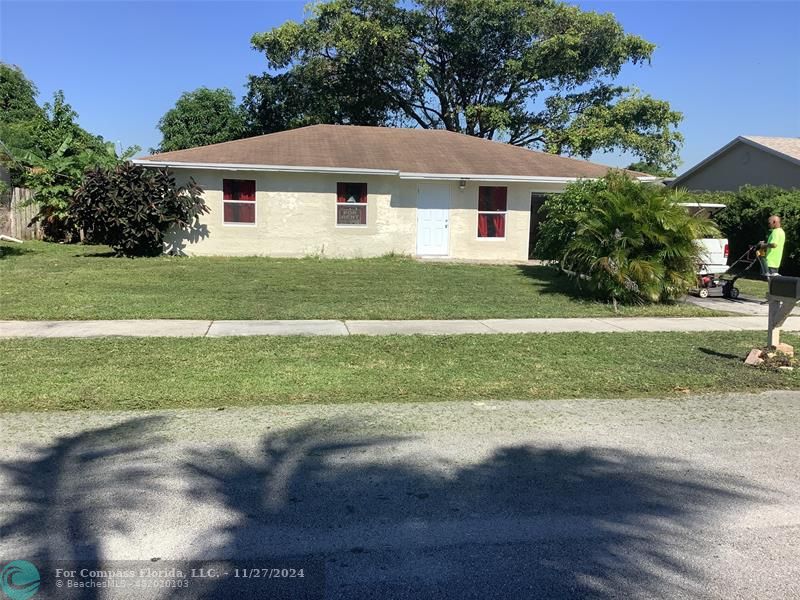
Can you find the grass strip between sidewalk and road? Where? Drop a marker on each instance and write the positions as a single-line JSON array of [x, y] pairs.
[[41, 281], [155, 373]]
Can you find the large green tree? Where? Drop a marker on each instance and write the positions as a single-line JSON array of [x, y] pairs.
[[651, 169], [17, 96], [308, 96], [20, 116], [201, 117], [537, 73], [26, 126], [46, 149]]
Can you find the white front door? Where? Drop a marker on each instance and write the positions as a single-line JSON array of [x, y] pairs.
[[433, 219]]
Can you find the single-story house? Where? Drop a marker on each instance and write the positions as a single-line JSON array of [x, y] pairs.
[[351, 191], [747, 160]]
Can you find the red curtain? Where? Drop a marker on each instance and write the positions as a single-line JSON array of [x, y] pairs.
[[491, 225], [345, 190], [492, 199], [239, 213], [227, 189], [483, 225], [239, 189], [499, 225], [247, 190]]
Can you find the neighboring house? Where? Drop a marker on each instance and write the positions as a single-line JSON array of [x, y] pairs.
[[350, 191], [753, 160]]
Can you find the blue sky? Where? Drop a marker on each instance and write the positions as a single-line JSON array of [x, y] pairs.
[[731, 67]]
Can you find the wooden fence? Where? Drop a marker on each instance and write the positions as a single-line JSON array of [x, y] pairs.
[[16, 216]]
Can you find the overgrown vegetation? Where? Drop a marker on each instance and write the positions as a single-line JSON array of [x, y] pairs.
[[558, 218], [54, 179], [743, 222], [46, 150], [624, 241], [156, 373], [130, 208], [21, 118]]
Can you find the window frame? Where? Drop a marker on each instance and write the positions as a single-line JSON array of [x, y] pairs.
[[253, 203], [491, 212], [365, 204]]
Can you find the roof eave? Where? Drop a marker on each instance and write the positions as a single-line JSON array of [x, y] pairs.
[[771, 150], [509, 178], [255, 167], [363, 171]]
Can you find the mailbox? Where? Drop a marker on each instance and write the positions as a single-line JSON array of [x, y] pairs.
[[784, 292], [784, 287]]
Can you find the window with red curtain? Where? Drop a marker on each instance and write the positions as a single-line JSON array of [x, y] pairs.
[[492, 209], [351, 203], [239, 201]]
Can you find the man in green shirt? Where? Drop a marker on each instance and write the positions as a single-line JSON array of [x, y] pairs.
[[774, 247]]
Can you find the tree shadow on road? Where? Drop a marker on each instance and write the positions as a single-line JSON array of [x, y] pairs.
[[527, 522], [64, 500]]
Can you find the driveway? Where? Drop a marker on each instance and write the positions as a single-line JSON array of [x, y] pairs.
[[688, 498], [745, 305]]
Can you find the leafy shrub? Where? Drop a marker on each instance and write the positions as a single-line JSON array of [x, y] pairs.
[[557, 225], [634, 244], [47, 151], [744, 221], [54, 179], [131, 207]]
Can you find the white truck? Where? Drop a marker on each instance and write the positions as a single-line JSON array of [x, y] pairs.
[[713, 256]]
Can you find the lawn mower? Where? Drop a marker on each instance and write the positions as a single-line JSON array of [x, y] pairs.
[[722, 283]]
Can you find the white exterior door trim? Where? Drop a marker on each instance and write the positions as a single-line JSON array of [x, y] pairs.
[[433, 219]]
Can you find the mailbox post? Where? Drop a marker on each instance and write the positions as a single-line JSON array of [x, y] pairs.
[[784, 293]]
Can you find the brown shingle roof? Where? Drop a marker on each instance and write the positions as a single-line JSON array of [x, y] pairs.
[[406, 151], [788, 146]]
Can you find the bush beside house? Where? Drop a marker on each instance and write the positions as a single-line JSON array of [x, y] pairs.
[[743, 222], [558, 218], [634, 244], [130, 208]]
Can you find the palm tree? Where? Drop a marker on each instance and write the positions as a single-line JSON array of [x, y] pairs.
[[634, 244]]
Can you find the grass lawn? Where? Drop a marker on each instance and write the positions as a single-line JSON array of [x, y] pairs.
[[139, 373], [752, 287], [52, 281]]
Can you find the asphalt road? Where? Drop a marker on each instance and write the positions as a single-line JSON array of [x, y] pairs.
[[687, 498]]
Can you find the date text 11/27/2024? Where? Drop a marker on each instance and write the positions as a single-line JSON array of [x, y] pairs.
[[254, 573]]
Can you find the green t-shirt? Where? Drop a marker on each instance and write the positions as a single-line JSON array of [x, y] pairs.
[[774, 255]]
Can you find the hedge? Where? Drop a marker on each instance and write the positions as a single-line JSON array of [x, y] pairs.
[[744, 221]]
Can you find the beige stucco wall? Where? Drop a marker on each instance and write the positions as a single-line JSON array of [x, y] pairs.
[[296, 216], [743, 164], [464, 240]]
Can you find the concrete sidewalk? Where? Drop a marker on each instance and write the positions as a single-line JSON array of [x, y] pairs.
[[199, 328]]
